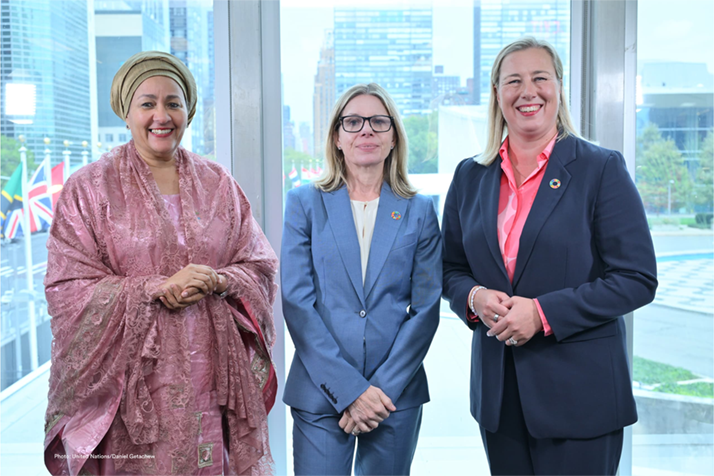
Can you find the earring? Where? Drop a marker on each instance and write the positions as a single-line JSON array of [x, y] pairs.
[[339, 148], [392, 147], [127, 126]]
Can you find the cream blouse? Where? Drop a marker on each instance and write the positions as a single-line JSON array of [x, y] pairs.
[[365, 215]]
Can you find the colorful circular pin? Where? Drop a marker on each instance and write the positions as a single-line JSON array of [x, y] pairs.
[[396, 215], [555, 183]]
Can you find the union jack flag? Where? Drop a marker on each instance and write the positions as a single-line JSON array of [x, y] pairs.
[[40, 199]]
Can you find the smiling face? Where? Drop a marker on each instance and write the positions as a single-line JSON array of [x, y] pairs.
[[365, 148], [157, 118], [528, 94]]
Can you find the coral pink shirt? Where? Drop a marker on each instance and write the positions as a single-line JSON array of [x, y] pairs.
[[514, 205]]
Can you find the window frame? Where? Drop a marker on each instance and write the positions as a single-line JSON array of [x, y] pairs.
[[247, 38]]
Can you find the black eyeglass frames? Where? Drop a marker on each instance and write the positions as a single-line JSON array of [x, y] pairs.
[[356, 123]]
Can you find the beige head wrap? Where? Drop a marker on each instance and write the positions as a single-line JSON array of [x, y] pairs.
[[144, 65]]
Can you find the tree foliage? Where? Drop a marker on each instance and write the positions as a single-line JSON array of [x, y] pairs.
[[10, 150], [662, 176], [423, 143], [704, 188]]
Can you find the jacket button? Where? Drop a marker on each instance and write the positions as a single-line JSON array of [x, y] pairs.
[[362, 313]]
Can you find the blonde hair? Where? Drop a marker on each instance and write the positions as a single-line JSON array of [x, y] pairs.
[[496, 122], [395, 167]]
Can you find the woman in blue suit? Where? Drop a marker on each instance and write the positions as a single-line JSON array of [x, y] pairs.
[[546, 247], [361, 284]]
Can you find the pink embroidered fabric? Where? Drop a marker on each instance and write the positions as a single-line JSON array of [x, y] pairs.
[[514, 205], [134, 387]]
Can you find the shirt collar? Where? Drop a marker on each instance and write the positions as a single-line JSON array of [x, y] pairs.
[[542, 159]]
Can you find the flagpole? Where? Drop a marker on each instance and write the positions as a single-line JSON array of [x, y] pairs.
[[48, 166], [66, 152], [84, 152], [28, 259]]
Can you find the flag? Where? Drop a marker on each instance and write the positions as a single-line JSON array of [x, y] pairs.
[[319, 170], [40, 200], [313, 173], [294, 177], [11, 204], [57, 183], [305, 175]]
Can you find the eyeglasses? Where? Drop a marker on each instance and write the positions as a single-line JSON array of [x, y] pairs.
[[356, 123]]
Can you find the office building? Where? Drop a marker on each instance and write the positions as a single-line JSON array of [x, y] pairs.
[[324, 94], [45, 74], [191, 27], [122, 29], [500, 22], [392, 47], [677, 98]]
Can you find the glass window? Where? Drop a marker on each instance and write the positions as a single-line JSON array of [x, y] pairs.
[[58, 62], [673, 349], [435, 60]]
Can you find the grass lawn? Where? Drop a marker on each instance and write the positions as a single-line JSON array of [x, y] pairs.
[[666, 377]]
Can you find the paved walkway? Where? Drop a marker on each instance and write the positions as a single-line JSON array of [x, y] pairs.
[[686, 281]]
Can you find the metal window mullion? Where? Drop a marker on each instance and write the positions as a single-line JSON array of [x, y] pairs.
[[603, 43], [251, 75]]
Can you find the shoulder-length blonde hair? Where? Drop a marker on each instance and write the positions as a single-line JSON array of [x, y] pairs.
[[496, 123], [395, 167]]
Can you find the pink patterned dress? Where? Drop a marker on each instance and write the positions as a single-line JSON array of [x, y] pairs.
[[134, 387]]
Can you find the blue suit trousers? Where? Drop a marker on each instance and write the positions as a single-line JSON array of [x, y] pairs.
[[321, 447]]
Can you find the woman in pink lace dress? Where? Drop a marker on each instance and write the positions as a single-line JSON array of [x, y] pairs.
[[160, 286]]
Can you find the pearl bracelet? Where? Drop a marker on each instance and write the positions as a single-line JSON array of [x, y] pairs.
[[471, 298]]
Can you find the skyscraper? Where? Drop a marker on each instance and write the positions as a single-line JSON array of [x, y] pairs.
[[123, 29], [191, 25], [323, 99], [499, 22], [392, 47], [45, 74]]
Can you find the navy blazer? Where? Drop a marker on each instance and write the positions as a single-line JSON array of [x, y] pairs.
[[586, 253], [347, 335]]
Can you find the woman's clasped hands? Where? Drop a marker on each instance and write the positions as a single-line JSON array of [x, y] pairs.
[[190, 285], [367, 412], [512, 320]]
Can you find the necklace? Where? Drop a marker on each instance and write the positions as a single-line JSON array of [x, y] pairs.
[[523, 176]]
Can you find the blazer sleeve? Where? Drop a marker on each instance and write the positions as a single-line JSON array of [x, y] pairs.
[[458, 279], [417, 332], [624, 244], [315, 345]]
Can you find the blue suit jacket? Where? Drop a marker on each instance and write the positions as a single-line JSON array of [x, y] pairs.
[[347, 335], [586, 253]]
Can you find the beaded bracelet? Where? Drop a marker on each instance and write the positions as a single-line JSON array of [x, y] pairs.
[[471, 298]]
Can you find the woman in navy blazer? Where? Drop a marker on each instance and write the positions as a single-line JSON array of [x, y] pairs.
[[361, 286], [546, 247]]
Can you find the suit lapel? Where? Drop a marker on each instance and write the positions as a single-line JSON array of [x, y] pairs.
[[489, 190], [339, 214], [546, 200], [385, 232]]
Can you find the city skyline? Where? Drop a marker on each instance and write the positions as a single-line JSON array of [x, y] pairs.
[[304, 21], [51, 98]]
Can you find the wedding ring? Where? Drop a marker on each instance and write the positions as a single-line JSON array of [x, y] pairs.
[[355, 432], [495, 317], [512, 341]]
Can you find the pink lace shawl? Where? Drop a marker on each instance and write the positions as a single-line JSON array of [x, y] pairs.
[[111, 246]]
